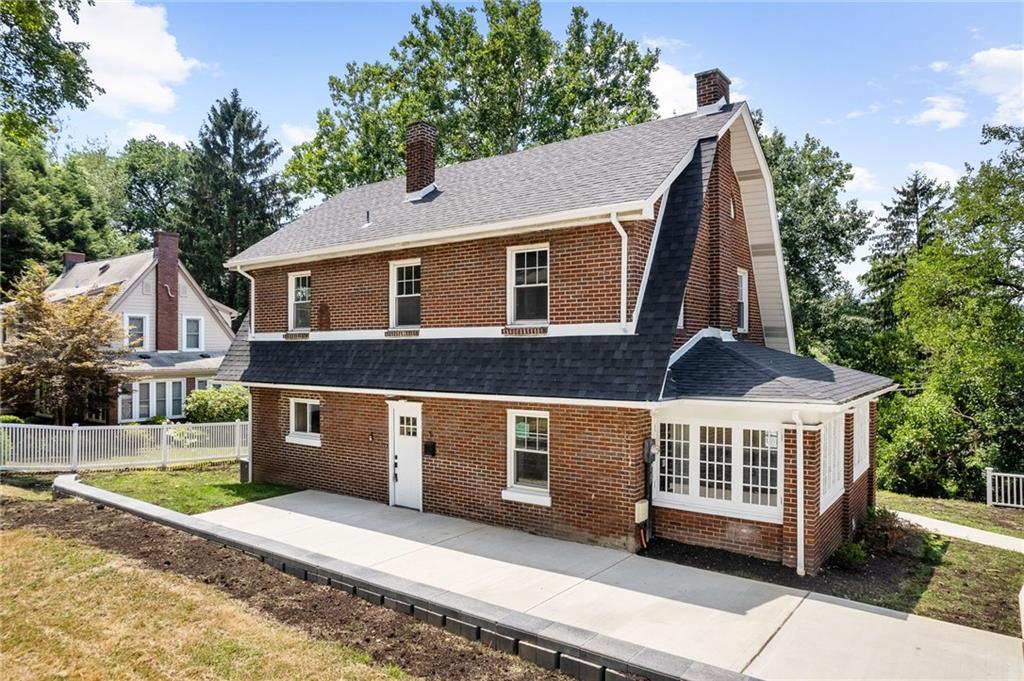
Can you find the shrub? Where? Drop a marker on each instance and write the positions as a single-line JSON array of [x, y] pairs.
[[11, 418], [850, 556], [882, 528], [214, 405], [156, 421]]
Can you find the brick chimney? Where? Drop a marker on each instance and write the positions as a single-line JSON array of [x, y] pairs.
[[72, 258], [419, 159], [711, 87], [166, 244]]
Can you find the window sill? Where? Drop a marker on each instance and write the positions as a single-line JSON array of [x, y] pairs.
[[402, 332], [523, 496], [297, 439], [531, 329], [769, 515], [296, 334]]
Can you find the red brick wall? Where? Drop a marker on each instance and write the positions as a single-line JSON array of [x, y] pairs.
[[463, 283], [749, 537], [166, 290], [596, 469], [721, 248]]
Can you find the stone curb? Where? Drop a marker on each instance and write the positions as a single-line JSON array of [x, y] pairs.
[[580, 653]]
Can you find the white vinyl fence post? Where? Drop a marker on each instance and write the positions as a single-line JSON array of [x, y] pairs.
[[988, 485], [163, 445], [238, 439], [74, 447]]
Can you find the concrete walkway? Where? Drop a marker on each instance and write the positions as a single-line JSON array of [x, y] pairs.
[[1000, 541], [763, 630]]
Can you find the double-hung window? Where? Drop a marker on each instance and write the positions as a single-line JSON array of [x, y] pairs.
[[146, 399], [833, 449], [528, 457], [136, 331], [299, 300], [742, 301], [304, 422], [722, 469], [405, 294], [528, 284], [861, 435], [192, 333]]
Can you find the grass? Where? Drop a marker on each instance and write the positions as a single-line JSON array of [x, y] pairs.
[[30, 486], [188, 490], [68, 610], [1008, 521]]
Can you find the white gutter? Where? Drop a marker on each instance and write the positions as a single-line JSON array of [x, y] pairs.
[[624, 267], [252, 301], [799, 493]]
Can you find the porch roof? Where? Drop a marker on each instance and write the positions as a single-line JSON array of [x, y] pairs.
[[173, 362]]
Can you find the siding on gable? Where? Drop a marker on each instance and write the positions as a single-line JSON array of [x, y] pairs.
[[190, 304], [136, 302]]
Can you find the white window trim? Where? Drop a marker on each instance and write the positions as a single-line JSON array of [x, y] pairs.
[[145, 331], [732, 508], [184, 333], [521, 493], [152, 399], [510, 285], [295, 438], [861, 440], [393, 292], [833, 436], [744, 276], [292, 276]]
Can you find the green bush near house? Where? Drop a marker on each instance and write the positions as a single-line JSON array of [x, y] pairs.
[[850, 556], [11, 418], [217, 405]]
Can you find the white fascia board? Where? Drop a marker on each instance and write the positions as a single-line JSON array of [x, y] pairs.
[[628, 210], [594, 329], [667, 182], [709, 332]]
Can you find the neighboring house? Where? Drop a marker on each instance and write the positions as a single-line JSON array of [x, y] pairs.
[[505, 339], [178, 335]]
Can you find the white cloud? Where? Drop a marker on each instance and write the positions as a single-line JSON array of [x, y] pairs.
[[132, 56], [296, 134], [676, 91], [999, 73], [946, 111], [140, 129], [939, 66], [936, 171], [661, 42], [863, 181]]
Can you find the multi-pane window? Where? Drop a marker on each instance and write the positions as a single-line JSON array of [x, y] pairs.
[[832, 450], [406, 305], [760, 467], [300, 295], [144, 405], [861, 434], [742, 301], [161, 399], [674, 460], [529, 466], [136, 331], [126, 403], [715, 447], [193, 333], [306, 419], [146, 399], [530, 285]]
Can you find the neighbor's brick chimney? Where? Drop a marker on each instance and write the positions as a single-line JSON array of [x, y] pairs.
[[712, 86], [419, 156], [72, 258], [166, 244]]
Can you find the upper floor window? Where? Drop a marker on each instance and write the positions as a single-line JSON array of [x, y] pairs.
[[742, 301], [299, 296], [528, 284], [405, 293], [135, 329], [193, 333]]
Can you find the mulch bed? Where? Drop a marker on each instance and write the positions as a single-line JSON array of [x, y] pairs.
[[389, 637]]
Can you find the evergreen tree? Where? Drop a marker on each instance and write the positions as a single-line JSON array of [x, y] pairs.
[[233, 199], [908, 226]]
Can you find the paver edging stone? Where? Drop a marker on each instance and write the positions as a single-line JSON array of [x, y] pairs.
[[472, 618]]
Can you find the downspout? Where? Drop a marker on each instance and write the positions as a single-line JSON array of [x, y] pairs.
[[252, 299], [624, 268], [799, 493]]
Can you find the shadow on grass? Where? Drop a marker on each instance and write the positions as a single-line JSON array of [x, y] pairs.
[[32, 482], [245, 492]]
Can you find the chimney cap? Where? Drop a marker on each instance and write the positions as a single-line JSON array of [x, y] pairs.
[[712, 72]]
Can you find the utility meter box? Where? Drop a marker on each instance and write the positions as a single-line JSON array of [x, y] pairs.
[[641, 511]]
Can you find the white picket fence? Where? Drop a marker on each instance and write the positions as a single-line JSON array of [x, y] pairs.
[[26, 447], [1004, 489]]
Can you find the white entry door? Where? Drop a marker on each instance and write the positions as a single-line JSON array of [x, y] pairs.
[[406, 454]]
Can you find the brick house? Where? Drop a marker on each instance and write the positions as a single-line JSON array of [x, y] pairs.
[[178, 334], [589, 339]]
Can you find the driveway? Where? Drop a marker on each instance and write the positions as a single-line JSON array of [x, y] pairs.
[[767, 631]]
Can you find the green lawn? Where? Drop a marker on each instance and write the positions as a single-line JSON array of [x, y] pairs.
[[188, 490], [1008, 521]]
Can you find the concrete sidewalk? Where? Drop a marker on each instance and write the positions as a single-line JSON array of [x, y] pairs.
[[746, 626], [1000, 541]]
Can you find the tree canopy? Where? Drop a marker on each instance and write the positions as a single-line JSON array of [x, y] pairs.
[[490, 89]]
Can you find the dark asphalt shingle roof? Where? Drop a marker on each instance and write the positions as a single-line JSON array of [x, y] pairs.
[[716, 369], [612, 167]]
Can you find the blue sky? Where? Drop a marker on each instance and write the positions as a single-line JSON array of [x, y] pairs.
[[891, 87]]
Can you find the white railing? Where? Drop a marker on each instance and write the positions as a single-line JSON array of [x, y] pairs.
[[26, 447], [1004, 489]]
